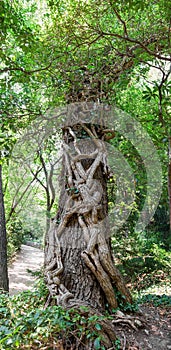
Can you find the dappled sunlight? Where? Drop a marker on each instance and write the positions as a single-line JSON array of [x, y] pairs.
[[29, 258]]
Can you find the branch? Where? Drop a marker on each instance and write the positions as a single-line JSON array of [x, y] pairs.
[[165, 76], [36, 177], [164, 79], [100, 33], [25, 200], [120, 19], [45, 172], [153, 66], [51, 186], [21, 197], [140, 44], [169, 32], [27, 72]]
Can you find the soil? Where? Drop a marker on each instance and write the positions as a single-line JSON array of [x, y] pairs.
[[153, 330], [28, 258]]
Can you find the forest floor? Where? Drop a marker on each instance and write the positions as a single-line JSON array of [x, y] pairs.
[[154, 328], [154, 334], [28, 258]]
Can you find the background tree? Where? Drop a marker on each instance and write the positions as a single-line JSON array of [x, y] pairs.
[[38, 162], [4, 285]]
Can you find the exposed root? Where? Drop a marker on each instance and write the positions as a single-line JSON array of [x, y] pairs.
[[124, 341], [132, 321]]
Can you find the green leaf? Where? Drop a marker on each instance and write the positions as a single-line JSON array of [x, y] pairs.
[[98, 326], [97, 343]]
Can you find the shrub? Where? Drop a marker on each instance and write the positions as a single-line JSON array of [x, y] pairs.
[[15, 234], [25, 324]]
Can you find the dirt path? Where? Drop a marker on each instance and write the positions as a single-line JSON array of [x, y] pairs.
[[19, 278]]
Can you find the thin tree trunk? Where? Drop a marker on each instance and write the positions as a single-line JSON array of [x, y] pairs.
[[4, 283], [169, 179]]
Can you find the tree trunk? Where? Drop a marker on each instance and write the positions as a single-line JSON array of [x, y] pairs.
[[4, 285], [79, 268], [169, 180]]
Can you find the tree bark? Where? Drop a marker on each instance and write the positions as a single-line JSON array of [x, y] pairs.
[[79, 268], [4, 284]]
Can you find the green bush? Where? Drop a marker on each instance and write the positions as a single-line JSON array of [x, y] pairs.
[[156, 300], [25, 324], [15, 234]]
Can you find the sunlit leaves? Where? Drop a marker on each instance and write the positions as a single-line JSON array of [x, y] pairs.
[[150, 93]]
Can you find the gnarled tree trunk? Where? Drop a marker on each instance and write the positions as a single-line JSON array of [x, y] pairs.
[[79, 268]]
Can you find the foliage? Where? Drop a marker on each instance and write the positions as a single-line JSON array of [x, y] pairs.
[[117, 344], [24, 323], [61, 51], [125, 306], [15, 236], [156, 300]]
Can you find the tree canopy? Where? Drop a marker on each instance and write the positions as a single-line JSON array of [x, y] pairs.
[[57, 52]]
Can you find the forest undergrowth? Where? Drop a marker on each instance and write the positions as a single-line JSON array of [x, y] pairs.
[[25, 323]]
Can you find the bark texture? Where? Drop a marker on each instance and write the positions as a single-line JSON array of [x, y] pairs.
[[4, 284], [79, 268]]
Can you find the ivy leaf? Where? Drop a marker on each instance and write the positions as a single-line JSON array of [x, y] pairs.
[[98, 326], [97, 343]]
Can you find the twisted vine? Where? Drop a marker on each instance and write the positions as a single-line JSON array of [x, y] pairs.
[[84, 194]]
